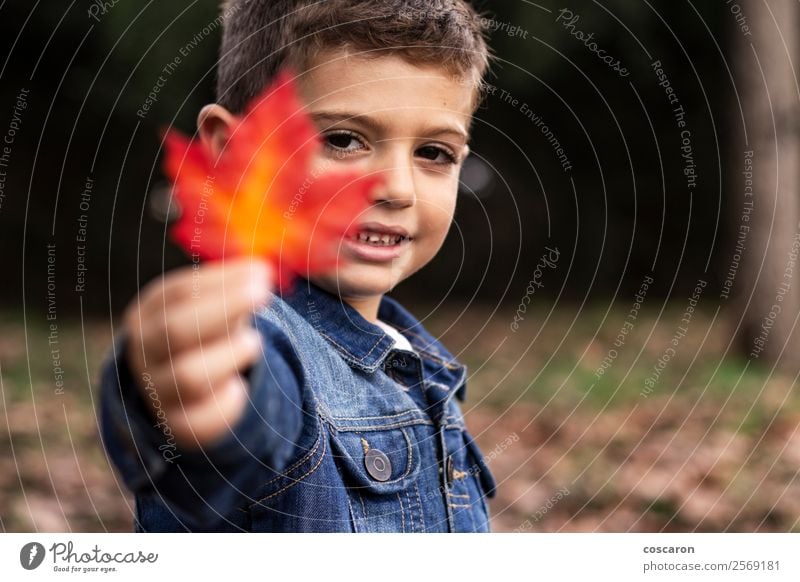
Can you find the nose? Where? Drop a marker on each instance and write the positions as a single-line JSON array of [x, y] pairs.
[[398, 187]]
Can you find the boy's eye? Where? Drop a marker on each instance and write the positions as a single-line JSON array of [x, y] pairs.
[[437, 155], [343, 142]]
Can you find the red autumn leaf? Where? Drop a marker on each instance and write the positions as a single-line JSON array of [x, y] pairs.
[[262, 197]]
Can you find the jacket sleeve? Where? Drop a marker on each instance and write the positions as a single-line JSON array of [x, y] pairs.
[[204, 485]]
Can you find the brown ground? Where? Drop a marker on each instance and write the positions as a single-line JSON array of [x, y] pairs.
[[718, 454]]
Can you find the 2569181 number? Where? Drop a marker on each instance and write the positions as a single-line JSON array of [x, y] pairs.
[[756, 565]]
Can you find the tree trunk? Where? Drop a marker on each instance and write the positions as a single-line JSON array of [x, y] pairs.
[[767, 216]]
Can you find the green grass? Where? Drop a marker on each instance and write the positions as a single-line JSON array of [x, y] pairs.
[[27, 362], [559, 367]]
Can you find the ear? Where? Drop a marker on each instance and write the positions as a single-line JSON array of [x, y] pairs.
[[214, 124]]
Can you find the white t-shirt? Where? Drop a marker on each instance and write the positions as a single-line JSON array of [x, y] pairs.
[[400, 341]]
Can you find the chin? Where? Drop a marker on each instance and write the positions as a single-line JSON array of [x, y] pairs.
[[357, 280]]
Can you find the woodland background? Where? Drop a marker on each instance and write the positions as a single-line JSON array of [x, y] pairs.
[[611, 422]]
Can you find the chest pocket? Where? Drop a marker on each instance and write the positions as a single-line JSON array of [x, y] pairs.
[[380, 460]]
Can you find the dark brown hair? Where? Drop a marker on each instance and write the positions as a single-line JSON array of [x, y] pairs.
[[260, 36]]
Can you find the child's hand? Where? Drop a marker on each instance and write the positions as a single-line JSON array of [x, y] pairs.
[[190, 337]]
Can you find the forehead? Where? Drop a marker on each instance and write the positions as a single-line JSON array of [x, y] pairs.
[[384, 87]]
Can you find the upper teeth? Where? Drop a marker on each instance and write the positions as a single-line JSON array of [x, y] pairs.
[[375, 238]]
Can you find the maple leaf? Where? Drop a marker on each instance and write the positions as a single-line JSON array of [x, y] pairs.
[[262, 197]]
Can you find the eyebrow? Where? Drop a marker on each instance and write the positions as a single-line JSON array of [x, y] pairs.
[[378, 126]]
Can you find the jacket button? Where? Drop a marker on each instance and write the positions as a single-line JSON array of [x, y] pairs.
[[378, 465], [450, 469]]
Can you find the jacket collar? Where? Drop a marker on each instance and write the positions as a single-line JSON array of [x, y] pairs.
[[365, 345]]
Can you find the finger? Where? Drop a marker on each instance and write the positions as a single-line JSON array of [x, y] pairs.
[[210, 419], [205, 278], [195, 374], [185, 325]]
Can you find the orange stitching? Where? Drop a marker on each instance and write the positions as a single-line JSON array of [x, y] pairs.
[[410, 510], [310, 454], [352, 513], [410, 411], [299, 479], [435, 355], [421, 509], [410, 452], [356, 428], [402, 514], [348, 352]]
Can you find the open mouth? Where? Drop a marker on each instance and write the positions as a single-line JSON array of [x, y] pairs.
[[378, 239], [378, 243]]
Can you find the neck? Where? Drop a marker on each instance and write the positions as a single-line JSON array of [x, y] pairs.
[[367, 307]]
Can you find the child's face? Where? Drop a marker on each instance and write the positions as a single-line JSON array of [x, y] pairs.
[[408, 124]]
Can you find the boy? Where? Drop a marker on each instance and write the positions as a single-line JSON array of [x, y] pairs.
[[337, 412]]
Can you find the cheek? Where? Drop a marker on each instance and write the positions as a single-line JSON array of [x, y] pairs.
[[436, 217]]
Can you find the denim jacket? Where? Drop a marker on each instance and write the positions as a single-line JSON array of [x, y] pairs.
[[342, 433]]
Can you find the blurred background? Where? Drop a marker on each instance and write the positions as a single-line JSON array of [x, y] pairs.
[[621, 277]]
